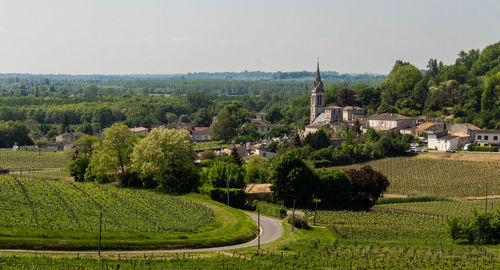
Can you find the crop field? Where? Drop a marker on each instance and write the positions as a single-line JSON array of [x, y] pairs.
[[77, 206], [32, 160], [210, 145], [381, 224], [435, 177], [442, 208], [50, 214]]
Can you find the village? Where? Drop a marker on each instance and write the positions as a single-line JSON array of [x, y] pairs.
[[441, 136]]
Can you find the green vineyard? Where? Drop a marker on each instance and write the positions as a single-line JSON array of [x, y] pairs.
[[51, 214], [31, 160], [77, 206], [441, 178]]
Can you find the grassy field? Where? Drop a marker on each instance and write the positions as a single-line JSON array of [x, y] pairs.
[[43, 214], [435, 177]]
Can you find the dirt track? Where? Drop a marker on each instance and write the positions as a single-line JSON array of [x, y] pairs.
[[461, 156]]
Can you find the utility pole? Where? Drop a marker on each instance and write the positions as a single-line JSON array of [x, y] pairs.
[[100, 233], [258, 224], [227, 176], [486, 198], [293, 215], [316, 201]]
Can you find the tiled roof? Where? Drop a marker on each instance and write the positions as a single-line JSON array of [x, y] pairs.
[[467, 126], [201, 130], [388, 116], [336, 137]]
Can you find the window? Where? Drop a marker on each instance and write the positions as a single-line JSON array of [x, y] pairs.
[[264, 154], [479, 137], [495, 138], [485, 137], [206, 137]]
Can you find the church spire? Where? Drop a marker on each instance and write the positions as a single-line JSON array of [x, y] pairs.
[[318, 77]]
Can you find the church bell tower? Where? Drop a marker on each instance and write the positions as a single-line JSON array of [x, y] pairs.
[[317, 96]]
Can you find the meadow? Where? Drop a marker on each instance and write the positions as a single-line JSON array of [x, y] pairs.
[[435, 177]]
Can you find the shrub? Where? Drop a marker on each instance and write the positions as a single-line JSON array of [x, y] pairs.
[[483, 148], [237, 197], [270, 209], [367, 186], [483, 228]]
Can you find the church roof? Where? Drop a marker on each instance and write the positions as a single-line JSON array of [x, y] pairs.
[[320, 118]]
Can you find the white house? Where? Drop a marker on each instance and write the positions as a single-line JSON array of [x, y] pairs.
[[390, 121], [443, 143], [488, 137], [265, 153]]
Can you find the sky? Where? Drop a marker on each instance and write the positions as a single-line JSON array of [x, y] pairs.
[[170, 37]]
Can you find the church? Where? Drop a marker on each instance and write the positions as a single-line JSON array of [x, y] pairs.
[[331, 117]]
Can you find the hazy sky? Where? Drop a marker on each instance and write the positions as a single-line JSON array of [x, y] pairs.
[[147, 36]]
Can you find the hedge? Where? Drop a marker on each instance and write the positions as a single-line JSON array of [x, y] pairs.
[[237, 197], [483, 148]]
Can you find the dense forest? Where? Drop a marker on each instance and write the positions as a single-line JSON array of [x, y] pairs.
[[466, 91]]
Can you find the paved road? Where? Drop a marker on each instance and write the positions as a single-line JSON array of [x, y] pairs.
[[270, 230]]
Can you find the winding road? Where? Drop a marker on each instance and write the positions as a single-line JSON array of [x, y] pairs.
[[271, 230]]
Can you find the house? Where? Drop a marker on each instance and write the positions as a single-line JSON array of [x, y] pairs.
[[488, 137], [260, 116], [336, 140], [429, 128], [464, 128], [263, 152], [263, 126], [259, 192], [200, 134], [54, 146], [443, 143], [241, 148], [351, 113], [312, 128], [390, 121], [69, 137], [141, 131], [40, 137]]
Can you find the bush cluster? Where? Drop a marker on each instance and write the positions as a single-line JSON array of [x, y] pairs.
[[483, 228], [483, 148], [293, 180], [237, 197]]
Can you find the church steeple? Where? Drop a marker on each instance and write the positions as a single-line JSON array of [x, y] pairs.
[[318, 76], [318, 83], [317, 96]]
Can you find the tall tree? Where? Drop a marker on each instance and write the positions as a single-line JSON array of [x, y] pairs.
[[224, 128], [166, 156], [203, 118], [347, 97], [489, 96], [112, 155], [292, 179]]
